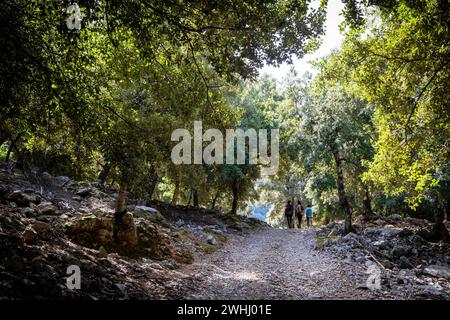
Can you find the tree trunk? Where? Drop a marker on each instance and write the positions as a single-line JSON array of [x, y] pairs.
[[121, 199], [120, 208], [235, 190], [104, 174], [440, 231], [196, 200], [153, 182], [4, 135], [175, 194], [13, 145], [213, 204], [367, 202], [190, 198], [343, 199]]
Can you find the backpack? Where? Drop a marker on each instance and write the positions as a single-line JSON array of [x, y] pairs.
[[309, 212], [289, 210]]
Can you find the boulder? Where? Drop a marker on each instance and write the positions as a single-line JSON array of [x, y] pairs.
[[148, 210], [85, 192], [41, 227], [239, 226], [102, 253], [151, 214], [381, 244], [405, 233], [211, 240], [432, 292], [46, 208], [394, 217], [404, 263], [382, 233], [23, 199], [62, 180], [91, 230], [437, 271], [399, 251], [179, 223], [104, 235], [29, 235], [28, 212], [128, 219]]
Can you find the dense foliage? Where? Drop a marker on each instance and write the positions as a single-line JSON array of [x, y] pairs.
[[368, 135]]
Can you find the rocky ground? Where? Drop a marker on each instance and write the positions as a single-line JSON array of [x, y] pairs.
[[409, 266], [50, 223], [162, 252]]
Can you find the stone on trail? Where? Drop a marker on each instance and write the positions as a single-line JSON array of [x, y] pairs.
[[179, 223], [395, 217], [211, 240], [151, 214], [84, 192], [29, 235], [437, 271], [23, 199], [41, 227], [46, 208], [102, 253]]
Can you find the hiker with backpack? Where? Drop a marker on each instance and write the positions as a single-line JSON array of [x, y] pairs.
[[299, 213], [309, 215], [289, 212]]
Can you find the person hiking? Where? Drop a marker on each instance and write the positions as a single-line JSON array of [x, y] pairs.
[[299, 213], [289, 212], [309, 215]]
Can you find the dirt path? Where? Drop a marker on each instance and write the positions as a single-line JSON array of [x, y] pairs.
[[275, 264]]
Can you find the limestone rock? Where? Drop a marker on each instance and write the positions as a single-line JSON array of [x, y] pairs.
[[29, 235], [41, 227], [46, 208], [211, 240], [437, 271], [85, 192], [23, 199]]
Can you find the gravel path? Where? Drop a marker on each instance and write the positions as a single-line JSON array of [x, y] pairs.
[[275, 264]]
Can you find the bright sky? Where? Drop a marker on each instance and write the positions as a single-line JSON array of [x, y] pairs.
[[331, 40]]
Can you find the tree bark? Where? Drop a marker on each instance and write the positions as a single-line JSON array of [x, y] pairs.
[[440, 231], [121, 199], [213, 204], [367, 202], [190, 198], [153, 182], [343, 199], [120, 208], [4, 136], [13, 145], [104, 174], [196, 200], [235, 190], [175, 194]]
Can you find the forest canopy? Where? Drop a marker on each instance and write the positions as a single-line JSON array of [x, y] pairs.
[[367, 135]]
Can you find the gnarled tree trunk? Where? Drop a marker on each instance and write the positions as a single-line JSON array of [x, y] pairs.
[[104, 174], [367, 202], [213, 204], [175, 193], [235, 190], [153, 181], [440, 231], [343, 199], [196, 200], [120, 207]]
